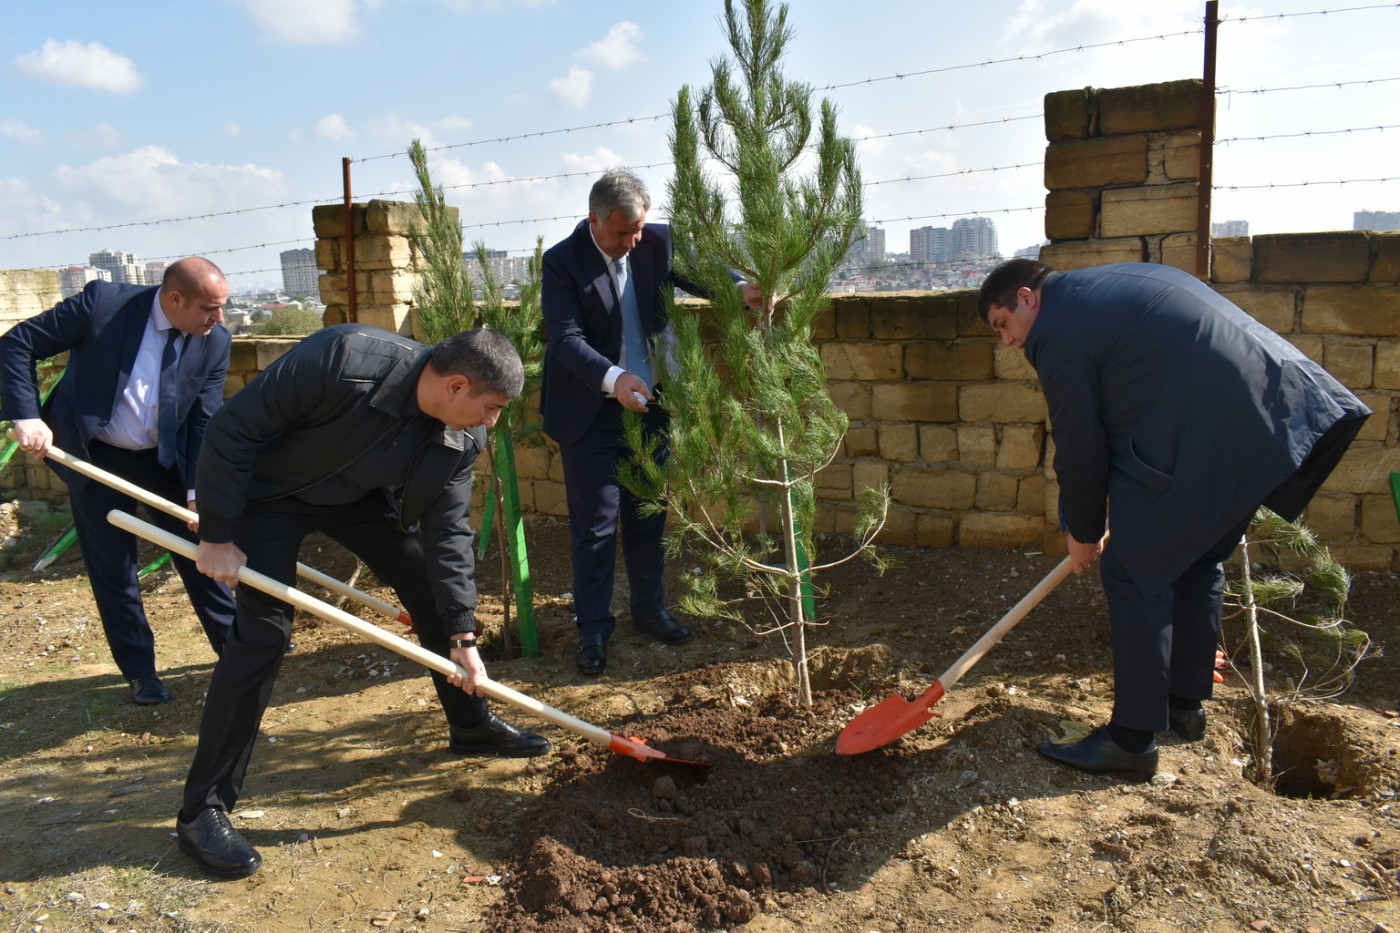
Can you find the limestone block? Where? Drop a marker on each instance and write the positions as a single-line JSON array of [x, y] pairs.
[[1309, 346], [1080, 254], [1070, 215], [393, 318], [1069, 114], [1011, 364], [396, 218], [531, 462], [1378, 425], [1332, 517], [1385, 258], [964, 360], [900, 529], [1148, 209], [869, 473], [834, 482], [935, 530], [1002, 403], [852, 317], [1021, 446], [1364, 470], [937, 489], [332, 288], [1378, 520], [914, 401], [272, 349], [1355, 558], [991, 529], [1355, 310], [243, 355], [1349, 360], [328, 220], [1177, 250], [392, 286], [327, 255], [335, 313], [824, 325], [1178, 154], [938, 444], [977, 444], [1030, 495], [862, 442], [899, 443], [1343, 256], [970, 324], [851, 397], [1271, 306], [932, 316], [863, 361], [1231, 259], [233, 382], [1096, 163], [1387, 364], [996, 492], [1167, 105], [382, 252], [550, 498]]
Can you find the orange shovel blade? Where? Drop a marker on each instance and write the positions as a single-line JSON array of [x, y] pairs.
[[886, 721], [640, 750]]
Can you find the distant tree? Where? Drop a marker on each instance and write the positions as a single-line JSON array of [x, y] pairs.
[[290, 322]]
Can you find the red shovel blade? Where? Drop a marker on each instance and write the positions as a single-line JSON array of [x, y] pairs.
[[640, 750], [886, 721]]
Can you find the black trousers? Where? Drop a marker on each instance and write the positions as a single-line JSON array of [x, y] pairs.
[[109, 553], [242, 684], [601, 511]]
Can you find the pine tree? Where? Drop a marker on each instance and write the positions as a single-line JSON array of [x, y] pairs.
[[752, 422]]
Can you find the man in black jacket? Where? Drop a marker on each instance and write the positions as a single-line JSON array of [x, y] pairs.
[[370, 439]]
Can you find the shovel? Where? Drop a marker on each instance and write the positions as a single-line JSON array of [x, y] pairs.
[[180, 512], [893, 717], [622, 745]]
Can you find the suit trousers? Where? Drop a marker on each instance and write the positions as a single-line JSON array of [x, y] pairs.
[[242, 683], [110, 555], [602, 510]]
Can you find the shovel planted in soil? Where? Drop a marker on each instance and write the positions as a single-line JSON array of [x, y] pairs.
[[622, 745], [178, 511], [894, 716]]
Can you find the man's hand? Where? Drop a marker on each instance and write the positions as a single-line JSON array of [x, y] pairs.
[[1081, 555], [469, 660], [627, 387], [220, 561], [751, 296], [33, 437], [192, 524]]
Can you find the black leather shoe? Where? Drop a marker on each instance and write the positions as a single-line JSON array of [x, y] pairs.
[[216, 846], [592, 654], [662, 625], [1098, 754], [494, 736], [1189, 725], [149, 691]]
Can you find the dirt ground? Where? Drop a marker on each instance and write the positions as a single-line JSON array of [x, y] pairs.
[[366, 823]]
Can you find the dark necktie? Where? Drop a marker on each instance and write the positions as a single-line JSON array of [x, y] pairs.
[[166, 404], [633, 335]]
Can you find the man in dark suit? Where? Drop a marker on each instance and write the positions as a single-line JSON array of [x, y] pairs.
[[1181, 414], [603, 297], [370, 439], [145, 371]]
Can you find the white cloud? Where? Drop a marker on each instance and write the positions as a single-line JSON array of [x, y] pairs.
[[153, 182], [617, 50], [598, 160], [334, 127], [306, 22], [397, 132], [98, 136], [574, 87], [21, 133], [232, 130], [74, 64]]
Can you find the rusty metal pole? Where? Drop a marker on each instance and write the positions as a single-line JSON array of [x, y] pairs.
[[351, 315], [1205, 184]]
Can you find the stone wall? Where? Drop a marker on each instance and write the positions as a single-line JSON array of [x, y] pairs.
[[386, 264], [25, 293]]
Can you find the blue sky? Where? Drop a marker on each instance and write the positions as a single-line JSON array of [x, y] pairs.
[[154, 110]]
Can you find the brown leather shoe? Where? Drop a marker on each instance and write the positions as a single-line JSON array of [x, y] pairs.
[[216, 846]]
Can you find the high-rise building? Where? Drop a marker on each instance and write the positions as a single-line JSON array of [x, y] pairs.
[[974, 238], [154, 272], [931, 244], [505, 268], [869, 250], [1230, 228], [125, 268], [1375, 220], [300, 278], [74, 278]]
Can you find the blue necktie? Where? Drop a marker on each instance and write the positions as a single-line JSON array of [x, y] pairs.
[[633, 335], [167, 406]]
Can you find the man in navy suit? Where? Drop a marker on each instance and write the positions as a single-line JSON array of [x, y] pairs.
[[1182, 414], [603, 301], [146, 369]]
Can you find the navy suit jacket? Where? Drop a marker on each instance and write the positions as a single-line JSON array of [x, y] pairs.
[[583, 316], [1174, 409], [101, 328]]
